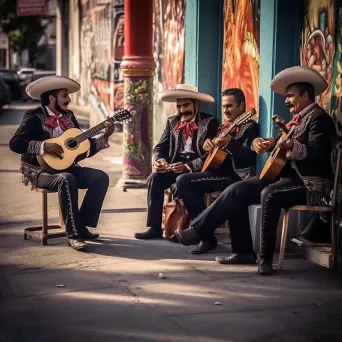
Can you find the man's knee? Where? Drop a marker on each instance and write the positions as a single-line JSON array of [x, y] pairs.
[[155, 177], [102, 178], [266, 194], [182, 181], [67, 179]]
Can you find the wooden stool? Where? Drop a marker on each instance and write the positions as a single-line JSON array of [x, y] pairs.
[[41, 232]]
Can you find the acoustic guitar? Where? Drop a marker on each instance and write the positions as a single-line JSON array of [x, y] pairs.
[[75, 144], [277, 159], [217, 156]]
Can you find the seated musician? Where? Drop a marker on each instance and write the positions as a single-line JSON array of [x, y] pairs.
[[178, 151], [305, 179], [50, 120], [239, 164]]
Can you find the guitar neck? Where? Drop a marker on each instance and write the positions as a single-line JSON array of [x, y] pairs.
[[91, 132], [224, 134]]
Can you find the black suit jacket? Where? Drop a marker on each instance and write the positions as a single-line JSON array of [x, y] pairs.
[[169, 144], [32, 132]]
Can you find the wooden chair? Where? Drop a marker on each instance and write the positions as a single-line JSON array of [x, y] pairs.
[[42, 232], [331, 209]]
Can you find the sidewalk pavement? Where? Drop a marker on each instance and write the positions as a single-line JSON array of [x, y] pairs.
[[113, 291]]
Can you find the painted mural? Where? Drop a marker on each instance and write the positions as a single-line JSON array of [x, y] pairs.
[[318, 42], [169, 45], [241, 48], [336, 112], [102, 48]]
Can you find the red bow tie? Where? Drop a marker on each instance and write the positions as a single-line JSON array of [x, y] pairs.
[[187, 128], [226, 126], [52, 122], [295, 121]]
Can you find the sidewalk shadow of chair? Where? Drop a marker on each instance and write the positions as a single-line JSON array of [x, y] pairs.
[[331, 209], [42, 232]]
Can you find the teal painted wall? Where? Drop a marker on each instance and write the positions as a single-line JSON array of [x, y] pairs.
[[203, 49], [280, 28]]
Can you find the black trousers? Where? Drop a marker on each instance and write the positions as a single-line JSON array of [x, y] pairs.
[[67, 184], [191, 187], [234, 202]]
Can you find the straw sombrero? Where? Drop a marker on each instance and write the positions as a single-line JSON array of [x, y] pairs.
[[185, 91], [298, 74], [47, 83]]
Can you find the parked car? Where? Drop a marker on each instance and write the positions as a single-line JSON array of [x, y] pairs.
[[12, 80], [36, 76], [5, 93], [23, 73]]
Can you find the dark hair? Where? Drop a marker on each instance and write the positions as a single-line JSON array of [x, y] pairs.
[[44, 98], [303, 87], [238, 94]]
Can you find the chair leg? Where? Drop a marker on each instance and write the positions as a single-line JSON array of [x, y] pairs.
[[283, 239], [45, 220], [333, 240]]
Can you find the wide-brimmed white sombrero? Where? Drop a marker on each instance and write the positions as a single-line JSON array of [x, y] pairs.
[[47, 83], [185, 91], [298, 74]]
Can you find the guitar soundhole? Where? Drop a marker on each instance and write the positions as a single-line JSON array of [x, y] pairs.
[[72, 143]]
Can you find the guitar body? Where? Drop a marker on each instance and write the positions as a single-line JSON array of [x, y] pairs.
[[274, 164], [214, 160], [52, 164]]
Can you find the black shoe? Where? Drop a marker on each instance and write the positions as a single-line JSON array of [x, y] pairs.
[[205, 246], [173, 238], [149, 234], [237, 259], [188, 237], [87, 235], [77, 244], [265, 267]]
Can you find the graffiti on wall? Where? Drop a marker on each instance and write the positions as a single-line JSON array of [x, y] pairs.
[[318, 42], [169, 45], [102, 43], [137, 148], [241, 48]]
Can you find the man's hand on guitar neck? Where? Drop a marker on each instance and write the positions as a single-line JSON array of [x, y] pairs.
[[287, 145], [109, 129], [261, 145], [54, 149]]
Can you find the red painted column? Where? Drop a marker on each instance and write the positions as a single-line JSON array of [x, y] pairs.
[[138, 66]]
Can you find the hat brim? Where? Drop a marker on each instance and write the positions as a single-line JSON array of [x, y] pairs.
[[48, 83], [282, 80], [172, 95]]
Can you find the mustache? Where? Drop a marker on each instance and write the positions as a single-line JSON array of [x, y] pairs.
[[187, 112], [289, 105]]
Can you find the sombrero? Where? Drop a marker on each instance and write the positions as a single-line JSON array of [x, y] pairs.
[[47, 83], [298, 74], [185, 91]]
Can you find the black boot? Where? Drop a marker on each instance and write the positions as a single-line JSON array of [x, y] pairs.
[[149, 234], [205, 246], [87, 235], [237, 259], [188, 237], [265, 267]]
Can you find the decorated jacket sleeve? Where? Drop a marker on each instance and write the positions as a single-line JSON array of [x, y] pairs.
[[196, 164], [161, 150], [321, 132], [24, 140], [240, 148]]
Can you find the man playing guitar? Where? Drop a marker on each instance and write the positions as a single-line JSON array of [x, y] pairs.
[[305, 179], [238, 165], [50, 120]]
